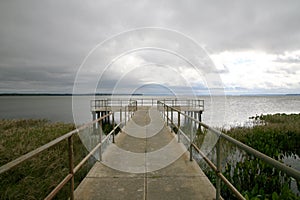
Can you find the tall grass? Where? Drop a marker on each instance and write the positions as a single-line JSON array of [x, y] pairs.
[[35, 178], [278, 137]]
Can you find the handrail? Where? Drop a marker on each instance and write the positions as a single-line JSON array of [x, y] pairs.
[[35, 152], [72, 170], [280, 166], [120, 102]]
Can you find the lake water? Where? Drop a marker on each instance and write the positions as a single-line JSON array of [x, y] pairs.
[[219, 112]]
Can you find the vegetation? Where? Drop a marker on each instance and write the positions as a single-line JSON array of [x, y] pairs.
[[35, 178], [277, 137]]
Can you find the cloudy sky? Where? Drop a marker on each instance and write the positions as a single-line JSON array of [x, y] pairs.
[[254, 45]]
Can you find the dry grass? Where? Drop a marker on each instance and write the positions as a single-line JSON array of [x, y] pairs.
[[35, 178]]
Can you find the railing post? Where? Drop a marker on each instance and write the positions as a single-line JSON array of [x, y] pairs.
[[128, 112], [120, 115], [71, 165], [200, 119], [125, 116], [178, 125], [191, 142], [172, 116], [100, 137], [164, 112], [167, 116], [136, 106], [218, 179], [113, 123], [94, 115]]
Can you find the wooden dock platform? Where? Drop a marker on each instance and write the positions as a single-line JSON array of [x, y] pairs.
[[143, 173]]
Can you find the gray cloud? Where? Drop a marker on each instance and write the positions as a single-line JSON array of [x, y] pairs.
[[42, 43], [290, 70], [288, 59]]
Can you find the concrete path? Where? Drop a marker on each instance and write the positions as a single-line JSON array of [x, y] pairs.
[[151, 165]]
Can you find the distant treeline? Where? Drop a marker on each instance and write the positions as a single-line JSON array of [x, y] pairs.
[[66, 94], [109, 94]]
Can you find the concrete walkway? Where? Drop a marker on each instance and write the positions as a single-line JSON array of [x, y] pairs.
[[148, 166]]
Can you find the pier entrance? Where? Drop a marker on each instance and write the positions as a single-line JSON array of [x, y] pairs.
[[157, 167]]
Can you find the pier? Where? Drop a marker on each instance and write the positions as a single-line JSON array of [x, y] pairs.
[[149, 179], [151, 152]]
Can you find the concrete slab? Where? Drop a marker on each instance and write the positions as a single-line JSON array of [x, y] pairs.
[[179, 188], [110, 188], [179, 179]]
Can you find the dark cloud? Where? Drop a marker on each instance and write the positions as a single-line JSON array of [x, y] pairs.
[[42, 43], [35, 79]]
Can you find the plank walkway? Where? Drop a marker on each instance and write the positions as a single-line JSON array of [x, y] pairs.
[[146, 162]]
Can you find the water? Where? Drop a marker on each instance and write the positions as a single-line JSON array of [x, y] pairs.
[[224, 112], [218, 112]]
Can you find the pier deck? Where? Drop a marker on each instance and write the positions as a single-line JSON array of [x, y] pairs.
[[145, 174]]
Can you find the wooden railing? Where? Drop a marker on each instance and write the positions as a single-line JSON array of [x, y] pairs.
[[168, 112], [72, 169], [197, 104]]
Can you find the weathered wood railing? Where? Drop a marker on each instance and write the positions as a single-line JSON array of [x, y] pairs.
[[197, 104], [168, 111], [72, 170]]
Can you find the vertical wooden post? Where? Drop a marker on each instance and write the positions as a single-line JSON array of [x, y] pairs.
[[94, 115], [178, 125], [218, 179], [120, 114], [191, 142], [125, 115], [167, 115], [128, 113], [196, 124], [113, 125], [71, 165], [100, 138], [200, 119], [164, 111], [172, 117]]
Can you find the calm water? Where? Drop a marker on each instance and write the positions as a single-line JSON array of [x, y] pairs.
[[219, 112]]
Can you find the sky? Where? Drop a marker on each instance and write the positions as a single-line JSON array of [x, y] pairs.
[[53, 46]]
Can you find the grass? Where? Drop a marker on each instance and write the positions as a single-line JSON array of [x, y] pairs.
[[35, 178], [277, 137]]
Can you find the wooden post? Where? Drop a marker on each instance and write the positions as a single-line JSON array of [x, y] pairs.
[[218, 179], [71, 165], [100, 138], [191, 142], [164, 111], [121, 115], [125, 116], [178, 125], [113, 125], [200, 119], [94, 115], [167, 115], [172, 117]]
